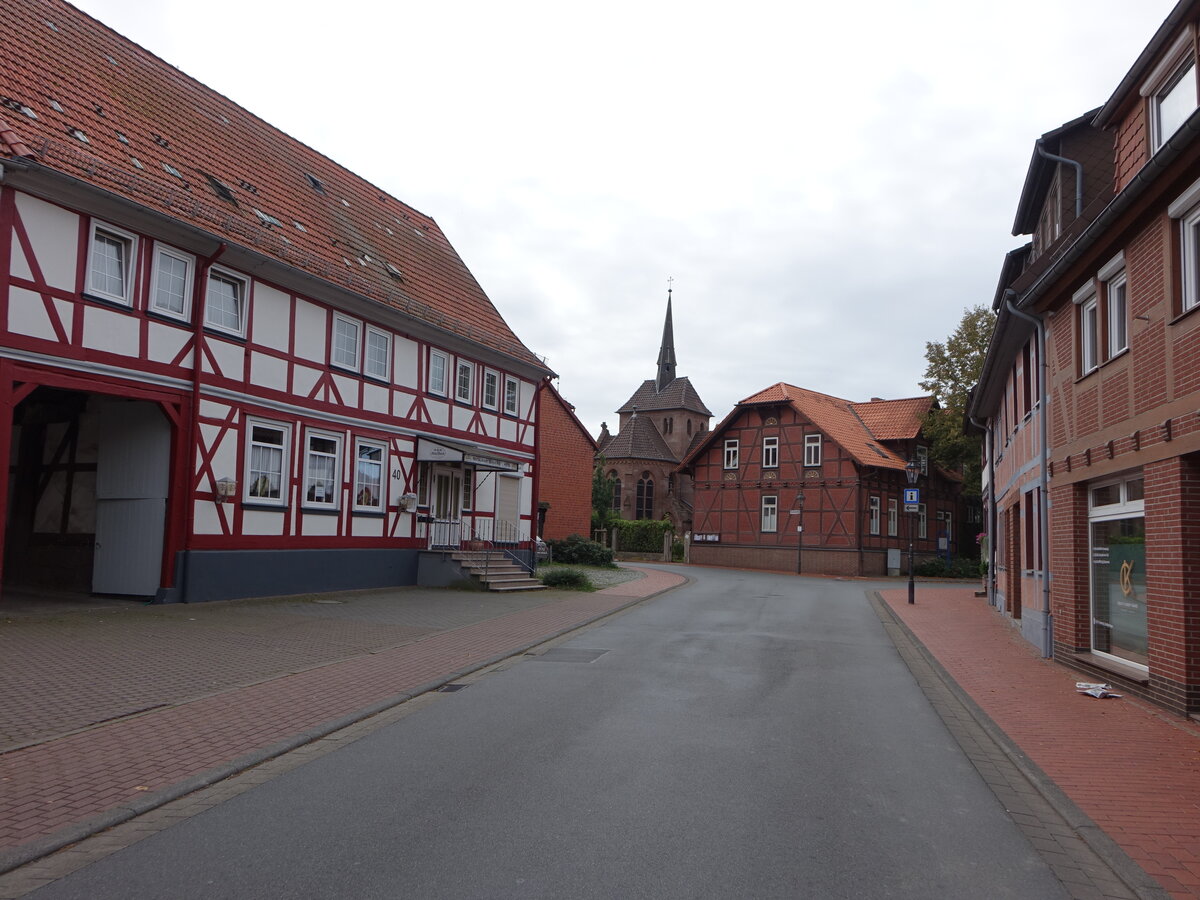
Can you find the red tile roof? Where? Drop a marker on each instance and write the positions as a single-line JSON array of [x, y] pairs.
[[83, 100], [858, 427]]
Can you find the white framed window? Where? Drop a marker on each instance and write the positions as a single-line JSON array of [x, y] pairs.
[[464, 378], [369, 483], [873, 515], [1189, 232], [438, 364], [1117, 551], [512, 394], [111, 255], [731, 453], [1173, 100], [922, 454], [266, 462], [225, 301], [1089, 332], [347, 333], [922, 521], [893, 516], [423, 485], [770, 514], [322, 465], [377, 360], [812, 450], [1116, 298], [491, 389], [770, 453], [171, 283], [468, 489]]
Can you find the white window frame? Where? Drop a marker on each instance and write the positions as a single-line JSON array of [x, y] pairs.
[[1189, 228], [492, 377], [464, 393], [189, 263], [873, 515], [732, 451], [922, 521], [1116, 294], [812, 450], [128, 264], [893, 517], [512, 396], [770, 514], [1176, 65], [243, 300], [370, 368], [330, 502], [1088, 322], [770, 459], [359, 445], [283, 447], [341, 355], [437, 385]]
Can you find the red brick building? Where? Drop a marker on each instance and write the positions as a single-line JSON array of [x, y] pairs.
[[563, 481], [1112, 293], [788, 457]]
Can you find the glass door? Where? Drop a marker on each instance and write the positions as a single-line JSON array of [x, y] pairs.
[[447, 507], [1118, 571]]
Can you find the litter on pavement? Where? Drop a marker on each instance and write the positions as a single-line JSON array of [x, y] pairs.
[[1099, 691]]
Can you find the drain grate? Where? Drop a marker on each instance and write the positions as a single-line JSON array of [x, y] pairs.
[[570, 654], [450, 688]]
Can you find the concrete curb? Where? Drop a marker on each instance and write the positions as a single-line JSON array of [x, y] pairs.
[[24, 854], [1134, 876]]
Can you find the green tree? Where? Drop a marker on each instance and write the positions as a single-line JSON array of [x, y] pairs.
[[952, 368], [602, 497]]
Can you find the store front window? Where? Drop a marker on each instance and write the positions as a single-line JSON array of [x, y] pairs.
[[1117, 527]]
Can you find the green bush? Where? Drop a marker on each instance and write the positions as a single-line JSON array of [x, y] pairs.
[[572, 579], [577, 550], [677, 551], [642, 535], [956, 568]]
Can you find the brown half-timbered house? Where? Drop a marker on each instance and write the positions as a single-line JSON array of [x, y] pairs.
[[795, 480]]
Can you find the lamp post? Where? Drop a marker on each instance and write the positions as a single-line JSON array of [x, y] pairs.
[[912, 469], [799, 510]]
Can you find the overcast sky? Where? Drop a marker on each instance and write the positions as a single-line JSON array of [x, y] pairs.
[[830, 185]]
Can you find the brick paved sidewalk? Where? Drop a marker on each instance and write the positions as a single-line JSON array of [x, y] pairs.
[[59, 789], [1133, 770]]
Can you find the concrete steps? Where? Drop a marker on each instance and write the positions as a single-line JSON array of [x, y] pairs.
[[495, 570]]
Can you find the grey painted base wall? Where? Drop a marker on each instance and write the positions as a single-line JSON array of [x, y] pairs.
[[203, 575]]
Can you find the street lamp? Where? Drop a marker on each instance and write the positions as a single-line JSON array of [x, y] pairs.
[[799, 511], [912, 470]]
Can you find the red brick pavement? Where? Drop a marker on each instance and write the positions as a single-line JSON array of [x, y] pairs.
[[1132, 769], [63, 782]]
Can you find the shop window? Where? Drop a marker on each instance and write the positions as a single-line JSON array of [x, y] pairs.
[[1117, 555]]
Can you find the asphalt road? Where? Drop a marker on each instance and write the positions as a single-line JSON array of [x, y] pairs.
[[749, 735]]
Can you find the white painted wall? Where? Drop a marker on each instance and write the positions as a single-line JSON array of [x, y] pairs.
[[54, 235]]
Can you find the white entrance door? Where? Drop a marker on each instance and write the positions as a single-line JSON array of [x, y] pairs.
[[447, 507], [132, 476]]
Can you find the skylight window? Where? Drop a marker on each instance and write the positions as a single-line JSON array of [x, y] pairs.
[[394, 272], [300, 227], [346, 203], [171, 170], [17, 106], [315, 182], [122, 138], [136, 162], [78, 135], [54, 105], [267, 219], [220, 189]]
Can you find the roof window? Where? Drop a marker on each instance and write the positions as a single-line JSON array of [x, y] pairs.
[[315, 182], [110, 59], [17, 106], [394, 272], [300, 227], [345, 202], [99, 110], [171, 170], [267, 219], [136, 162], [221, 190], [54, 105], [50, 25], [78, 135], [122, 138]]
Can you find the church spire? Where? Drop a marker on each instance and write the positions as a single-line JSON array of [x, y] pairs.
[[666, 353]]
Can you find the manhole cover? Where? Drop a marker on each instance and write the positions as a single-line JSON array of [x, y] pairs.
[[570, 654]]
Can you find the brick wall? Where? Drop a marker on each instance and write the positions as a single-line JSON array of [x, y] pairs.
[[564, 469], [1069, 586]]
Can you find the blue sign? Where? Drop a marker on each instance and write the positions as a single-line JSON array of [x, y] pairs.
[[912, 495]]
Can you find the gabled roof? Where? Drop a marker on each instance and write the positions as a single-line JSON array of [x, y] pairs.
[[1145, 61], [639, 439], [849, 424], [569, 409], [1041, 171], [678, 394], [82, 101]]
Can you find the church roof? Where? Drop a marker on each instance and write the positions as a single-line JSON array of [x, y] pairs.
[[678, 394], [82, 101], [639, 439]]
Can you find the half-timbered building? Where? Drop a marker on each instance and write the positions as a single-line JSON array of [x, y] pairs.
[[228, 366], [795, 480], [1098, 436]]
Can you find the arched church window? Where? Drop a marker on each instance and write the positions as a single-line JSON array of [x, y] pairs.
[[689, 426], [644, 508]]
